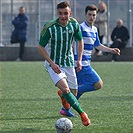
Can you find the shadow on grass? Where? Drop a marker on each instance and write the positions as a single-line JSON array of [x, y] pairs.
[[111, 98], [37, 118], [30, 130], [29, 100]]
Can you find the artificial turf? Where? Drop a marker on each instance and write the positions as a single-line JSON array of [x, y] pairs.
[[29, 102]]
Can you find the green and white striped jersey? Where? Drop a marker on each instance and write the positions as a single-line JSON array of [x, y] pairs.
[[59, 41]]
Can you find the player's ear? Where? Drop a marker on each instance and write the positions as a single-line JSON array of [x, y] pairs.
[[70, 13]]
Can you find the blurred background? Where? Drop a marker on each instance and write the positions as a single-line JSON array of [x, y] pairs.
[[41, 11]]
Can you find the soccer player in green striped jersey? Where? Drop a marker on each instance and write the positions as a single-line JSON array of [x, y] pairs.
[[55, 46]]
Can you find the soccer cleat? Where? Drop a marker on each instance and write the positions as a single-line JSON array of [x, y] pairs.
[[85, 119], [65, 104], [66, 112], [63, 112]]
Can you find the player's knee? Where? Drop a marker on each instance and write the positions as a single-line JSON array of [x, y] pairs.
[[98, 85], [65, 90], [74, 91]]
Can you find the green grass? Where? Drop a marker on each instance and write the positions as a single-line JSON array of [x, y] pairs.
[[29, 101]]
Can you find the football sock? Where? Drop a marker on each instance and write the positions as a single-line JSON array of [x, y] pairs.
[[85, 88], [71, 99], [79, 95]]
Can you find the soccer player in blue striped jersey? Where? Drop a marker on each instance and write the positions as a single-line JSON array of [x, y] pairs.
[[55, 46], [88, 79]]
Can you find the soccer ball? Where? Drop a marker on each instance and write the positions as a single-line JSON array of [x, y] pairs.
[[63, 125]]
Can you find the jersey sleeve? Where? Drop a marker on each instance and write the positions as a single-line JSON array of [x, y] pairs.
[[44, 36], [78, 33], [97, 42]]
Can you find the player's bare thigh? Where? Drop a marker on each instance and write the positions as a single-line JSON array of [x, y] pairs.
[[63, 86]]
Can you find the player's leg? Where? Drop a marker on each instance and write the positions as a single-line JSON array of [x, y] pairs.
[[71, 99], [88, 80], [67, 112], [89, 87], [98, 85], [61, 82], [56, 78], [72, 83], [82, 89], [65, 104]]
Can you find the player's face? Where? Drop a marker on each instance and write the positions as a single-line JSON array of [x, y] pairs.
[[90, 17], [64, 15]]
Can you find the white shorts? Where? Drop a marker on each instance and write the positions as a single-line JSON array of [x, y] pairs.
[[68, 73]]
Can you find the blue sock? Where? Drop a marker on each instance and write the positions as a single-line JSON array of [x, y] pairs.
[[84, 88], [79, 95]]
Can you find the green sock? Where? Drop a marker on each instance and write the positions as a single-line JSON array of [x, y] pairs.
[[71, 99]]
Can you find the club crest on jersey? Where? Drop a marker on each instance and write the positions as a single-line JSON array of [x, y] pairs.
[[64, 32], [70, 31]]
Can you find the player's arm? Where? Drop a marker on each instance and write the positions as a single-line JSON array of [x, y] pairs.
[[103, 48], [44, 38], [107, 49], [79, 39], [80, 52], [45, 55]]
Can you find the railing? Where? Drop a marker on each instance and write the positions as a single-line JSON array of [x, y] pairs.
[[40, 11]]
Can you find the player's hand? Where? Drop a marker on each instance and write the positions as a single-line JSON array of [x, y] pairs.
[[55, 68], [116, 51], [79, 66]]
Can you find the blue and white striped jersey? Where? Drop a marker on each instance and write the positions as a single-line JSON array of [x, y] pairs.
[[91, 39]]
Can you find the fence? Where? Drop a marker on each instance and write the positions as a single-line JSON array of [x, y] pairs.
[[40, 11]]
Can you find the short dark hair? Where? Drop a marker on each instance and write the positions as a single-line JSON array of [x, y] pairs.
[[22, 7], [91, 8], [63, 5]]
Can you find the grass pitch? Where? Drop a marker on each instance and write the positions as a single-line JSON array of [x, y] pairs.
[[29, 102]]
